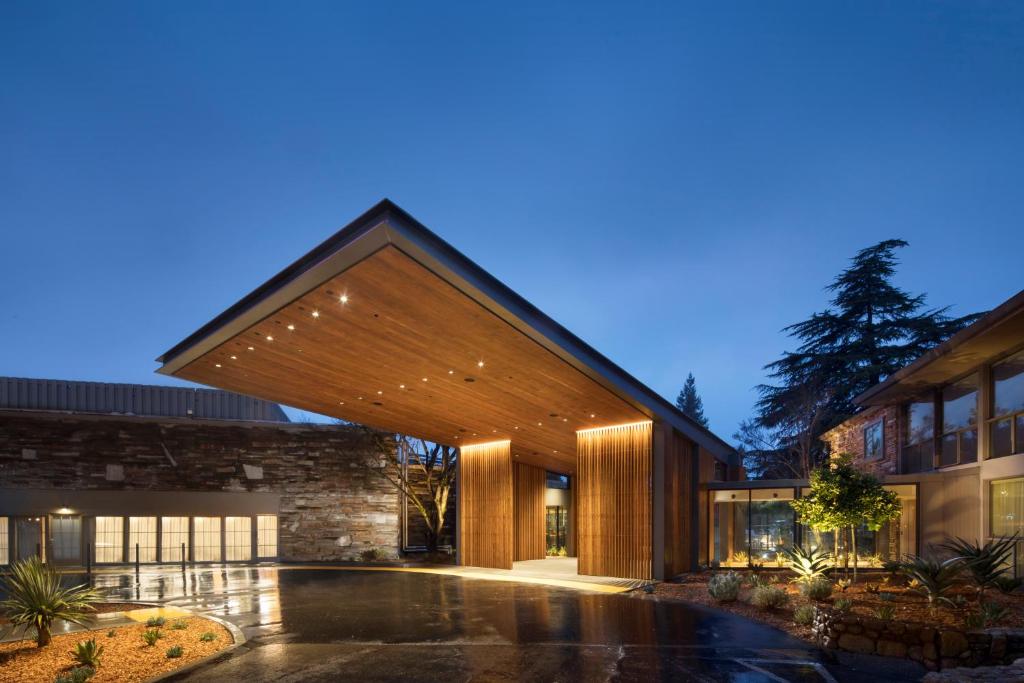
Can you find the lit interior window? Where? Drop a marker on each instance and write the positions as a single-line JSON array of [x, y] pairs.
[[173, 533], [238, 538], [142, 531], [5, 545], [266, 536], [110, 539], [207, 539]]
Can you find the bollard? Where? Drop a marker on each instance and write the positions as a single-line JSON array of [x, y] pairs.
[[88, 561], [39, 552], [136, 559], [182, 557]]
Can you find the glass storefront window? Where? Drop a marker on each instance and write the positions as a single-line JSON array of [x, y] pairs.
[[1007, 426], [731, 532], [266, 536], [1006, 514], [207, 539], [142, 534], [173, 534], [238, 538], [110, 539], [959, 422], [772, 525], [5, 545]]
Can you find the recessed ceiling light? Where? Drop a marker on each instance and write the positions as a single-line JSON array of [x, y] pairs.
[[424, 379], [451, 372], [380, 393], [401, 386], [591, 415], [269, 338], [517, 427], [343, 299], [539, 424], [291, 327], [217, 365], [360, 398], [251, 348], [555, 451], [315, 314], [565, 419], [234, 357], [479, 363], [341, 403]]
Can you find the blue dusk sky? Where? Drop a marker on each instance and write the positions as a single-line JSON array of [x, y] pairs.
[[673, 182]]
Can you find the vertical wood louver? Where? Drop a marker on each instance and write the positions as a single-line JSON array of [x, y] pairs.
[[529, 484], [485, 505], [613, 473]]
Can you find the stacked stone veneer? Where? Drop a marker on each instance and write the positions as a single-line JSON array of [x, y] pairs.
[[331, 508], [935, 648], [849, 438]]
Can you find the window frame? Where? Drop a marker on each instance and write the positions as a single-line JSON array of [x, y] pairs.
[[928, 397], [940, 412], [1016, 435], [880, 424]]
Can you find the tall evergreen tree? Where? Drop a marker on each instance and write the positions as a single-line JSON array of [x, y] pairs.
[[689, 401], [870, 330]]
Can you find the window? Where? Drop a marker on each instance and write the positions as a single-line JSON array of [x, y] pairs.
[[142, 532], [110, 539], [959, 442], [874, 441], [173, 535], [1006, 508], [207, 539], [238, 538], [1006, 428], [266, 536], [893, 540], [731, 528], [919, 447], [5, 544]]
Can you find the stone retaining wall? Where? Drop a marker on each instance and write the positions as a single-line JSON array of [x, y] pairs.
[[935, 648]]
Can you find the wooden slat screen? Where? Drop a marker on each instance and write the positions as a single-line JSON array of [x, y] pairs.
[[485, 505], [529, 484], [679, 522], [613, 475]]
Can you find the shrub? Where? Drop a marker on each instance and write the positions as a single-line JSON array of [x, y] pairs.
[[892, 567], [985, 563], [843, 604], [804, 614], [843, 584], [885, 612], [562, 552], [35, 598], [175, 652], [151, 636], [1008, 584], [740, 557], [725, 587], [819, 588], [155, 622], [208, 637], [88, 653], [933, 578], [80, 674], [111, 633], [755, 580], [372, 555], [886, 596], [807, 565], [769, 597], [179, 625], [871, 588]]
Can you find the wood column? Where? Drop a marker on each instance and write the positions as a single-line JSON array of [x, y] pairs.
[[614, 501], [528, 485], [485, 505]]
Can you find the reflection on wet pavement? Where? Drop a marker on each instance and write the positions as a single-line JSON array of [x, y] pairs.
[[326, 625]]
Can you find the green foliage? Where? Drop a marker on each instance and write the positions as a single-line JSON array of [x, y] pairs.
[[208, 637], [769, 597], [842, 496], [987, 563], [80, 674], [175, 652], [885, 612], [155, 622], [372, 555], [755, 580], [871, 588], [819, 588], [807, 564], [843, 604], [892, 567], [989, 614], [690, 403], [740, 557], [151, 636], [843, 584], [35, 598], [725, 587], [111, 633], [1008, 584], [886, 596], [88, 653], [804, 614], [179, 625], [562, 552], [933, 578]]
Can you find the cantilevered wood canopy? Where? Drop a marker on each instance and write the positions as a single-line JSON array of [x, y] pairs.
[[386, 325]]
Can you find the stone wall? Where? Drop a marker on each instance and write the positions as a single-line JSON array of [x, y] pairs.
[[331, 508], [932, 647], [849, 438]]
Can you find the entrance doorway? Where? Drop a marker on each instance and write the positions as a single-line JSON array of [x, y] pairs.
[[66, 539], [557, 529], [28, 536]]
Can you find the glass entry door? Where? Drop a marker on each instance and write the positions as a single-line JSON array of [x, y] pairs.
[[66, 539], [555, 529], [28, 534]]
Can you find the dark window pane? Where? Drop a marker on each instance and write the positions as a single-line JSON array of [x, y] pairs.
[[947, 456], [960, 404], [969, 445], [918, 458], [1020, 434], [1008, 380], [874, 444], [920, 421], [1000, 434]]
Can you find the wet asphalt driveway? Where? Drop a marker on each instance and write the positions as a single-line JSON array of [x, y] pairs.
[[328, 625]]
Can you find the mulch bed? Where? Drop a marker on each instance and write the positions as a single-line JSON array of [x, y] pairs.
[[910, 606], [126, 657]]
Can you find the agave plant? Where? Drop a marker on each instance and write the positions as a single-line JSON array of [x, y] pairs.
[[932, 577], [987, 563], [35, 598], [807, 564], [88, 653]]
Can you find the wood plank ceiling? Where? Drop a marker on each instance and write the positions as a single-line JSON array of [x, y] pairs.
[[389, 344]]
